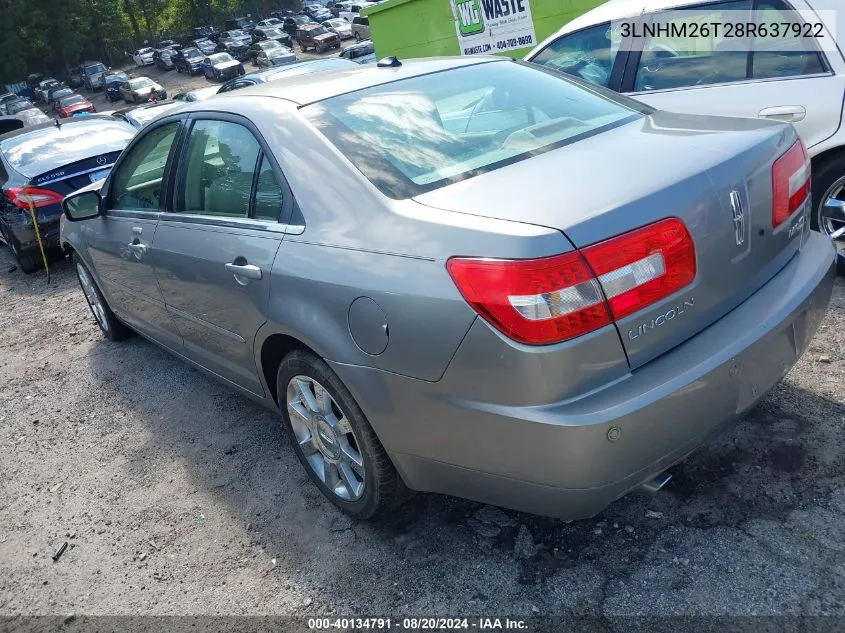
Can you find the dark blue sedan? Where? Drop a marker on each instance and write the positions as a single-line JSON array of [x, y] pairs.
[[112, 81]]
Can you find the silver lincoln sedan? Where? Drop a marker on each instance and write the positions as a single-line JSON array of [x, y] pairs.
[[468, 276]]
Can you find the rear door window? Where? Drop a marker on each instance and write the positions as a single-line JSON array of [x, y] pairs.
[[217, 170], [269, 194]]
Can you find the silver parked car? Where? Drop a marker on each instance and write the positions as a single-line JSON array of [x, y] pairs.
[[470, 276]]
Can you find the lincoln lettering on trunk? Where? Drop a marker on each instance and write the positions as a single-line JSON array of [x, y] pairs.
[[669, 315]]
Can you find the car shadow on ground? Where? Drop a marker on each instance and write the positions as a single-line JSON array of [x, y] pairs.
[[784, 455]]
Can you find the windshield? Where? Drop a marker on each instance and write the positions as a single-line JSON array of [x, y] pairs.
[[58, 94], [237, 33], [272, 21], [94, 68], [141, 82], [418, 134], [190, 53], [317, 31], [221, 58], [272, 32], [203, 42], [144, 51], [337, 23], [270, 45], [302, 19], [71, 100]]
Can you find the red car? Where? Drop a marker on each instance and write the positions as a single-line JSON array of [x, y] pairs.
[[72, 104]]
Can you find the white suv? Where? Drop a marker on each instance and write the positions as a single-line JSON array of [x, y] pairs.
[[793, 83]]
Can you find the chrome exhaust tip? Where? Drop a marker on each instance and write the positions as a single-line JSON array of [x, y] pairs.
[[657, 482]]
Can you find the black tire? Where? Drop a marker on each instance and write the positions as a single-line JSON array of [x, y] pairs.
[[28, 262], [826, 174], [112, 328], [383, 488]]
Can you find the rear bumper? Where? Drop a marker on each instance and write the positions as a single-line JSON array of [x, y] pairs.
[[24, 232], [573, 457]]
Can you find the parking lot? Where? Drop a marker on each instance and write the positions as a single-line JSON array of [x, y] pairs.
[[179, 496], [175, 82]]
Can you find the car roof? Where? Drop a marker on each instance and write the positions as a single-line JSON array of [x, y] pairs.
[[303, 89], [34, 150]]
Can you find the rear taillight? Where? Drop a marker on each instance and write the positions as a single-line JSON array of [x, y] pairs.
[[22, 196], [790, 183], [533, 300], [641, 267], [554, 299]]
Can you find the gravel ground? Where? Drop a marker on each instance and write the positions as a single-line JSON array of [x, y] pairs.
[[178, 496]]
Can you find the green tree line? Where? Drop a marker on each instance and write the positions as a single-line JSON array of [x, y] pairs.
[[51, 36]]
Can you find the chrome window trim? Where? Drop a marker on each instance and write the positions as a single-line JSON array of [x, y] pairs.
[[138, 214], [225, 222], [731, 83]]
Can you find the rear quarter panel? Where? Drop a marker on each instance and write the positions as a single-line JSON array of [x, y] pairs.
[[356, 243]]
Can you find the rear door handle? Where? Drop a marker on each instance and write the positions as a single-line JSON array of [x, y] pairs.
[[788, 114], [244, 271]]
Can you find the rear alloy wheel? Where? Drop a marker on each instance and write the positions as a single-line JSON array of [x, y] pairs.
[[109, 324], [333, 440], [829, 186]]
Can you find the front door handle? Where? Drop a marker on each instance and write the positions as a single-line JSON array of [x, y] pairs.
[[788, 114], [242, 272]]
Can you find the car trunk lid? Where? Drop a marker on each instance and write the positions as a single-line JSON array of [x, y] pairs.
[[715, 174]]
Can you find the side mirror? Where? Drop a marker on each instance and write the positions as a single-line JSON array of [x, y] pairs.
[[82, 206]]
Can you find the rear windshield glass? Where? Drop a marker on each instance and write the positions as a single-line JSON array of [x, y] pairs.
[[71, 100], [414, 135], [220, 58], [94, 68]]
